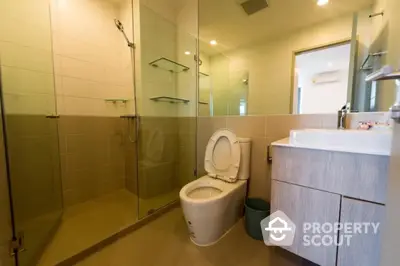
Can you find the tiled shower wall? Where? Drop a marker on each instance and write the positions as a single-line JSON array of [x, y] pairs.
[[98, 155], [158, 155], [263, 130], [92, 156], [92, 62], [166, 154], [34, 166]]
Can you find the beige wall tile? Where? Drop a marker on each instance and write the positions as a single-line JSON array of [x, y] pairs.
[[247, 126], [24, 57], [278, 126], [37, 104], [93, 65], [329, 121], [306, 121], [35, 174], [259, 183], [96, 150], [33, 29], [31, 125], [16, 80]]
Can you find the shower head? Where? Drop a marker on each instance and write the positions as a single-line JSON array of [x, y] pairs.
[[119, 25]]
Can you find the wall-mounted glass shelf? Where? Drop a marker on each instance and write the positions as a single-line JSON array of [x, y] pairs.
[[392, 76], [169, 99], [200, 102], [203, 74], [116, 100], [169, 65]]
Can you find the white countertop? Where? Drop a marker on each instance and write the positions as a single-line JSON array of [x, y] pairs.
[[352, 141]]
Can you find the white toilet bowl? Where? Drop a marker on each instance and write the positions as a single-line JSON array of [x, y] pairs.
[[213, 203]]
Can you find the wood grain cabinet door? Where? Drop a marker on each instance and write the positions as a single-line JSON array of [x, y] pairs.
[[364, 248], [304, 205]]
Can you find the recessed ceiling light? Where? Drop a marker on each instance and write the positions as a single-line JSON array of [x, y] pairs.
[[213, 42], [322, 2], [187, 53]]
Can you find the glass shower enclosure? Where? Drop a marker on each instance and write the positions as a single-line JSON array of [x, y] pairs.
[[166, 78], [92, 129], [29, 125]]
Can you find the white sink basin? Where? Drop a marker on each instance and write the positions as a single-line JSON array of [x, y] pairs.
[[355, 141]]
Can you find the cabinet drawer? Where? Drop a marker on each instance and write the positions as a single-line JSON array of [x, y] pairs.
[[364, 249], [304, 205], [354, 175]]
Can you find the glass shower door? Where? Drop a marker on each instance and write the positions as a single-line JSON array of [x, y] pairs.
[[31, 131], [166, 88], [6, 230]]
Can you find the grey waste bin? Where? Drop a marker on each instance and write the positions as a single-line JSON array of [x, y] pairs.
[[255, 211]]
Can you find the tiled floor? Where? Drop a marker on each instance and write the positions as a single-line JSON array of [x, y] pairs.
[[36, 235], [86, 224], [165, 242]]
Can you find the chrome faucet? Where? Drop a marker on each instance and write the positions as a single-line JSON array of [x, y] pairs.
[[342, 116]]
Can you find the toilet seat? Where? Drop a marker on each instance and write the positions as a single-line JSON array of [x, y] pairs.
[[220, 188], [222, 158]]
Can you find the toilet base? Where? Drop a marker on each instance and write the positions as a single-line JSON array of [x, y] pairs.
[[215, 242]]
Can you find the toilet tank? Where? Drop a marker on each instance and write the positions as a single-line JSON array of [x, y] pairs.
[[244, 168]]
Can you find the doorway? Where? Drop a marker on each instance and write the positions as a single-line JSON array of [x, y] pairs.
[[321, 79]]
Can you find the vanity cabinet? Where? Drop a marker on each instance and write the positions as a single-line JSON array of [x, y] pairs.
[[364, 249], [353, 175], [317, 186], [304, 205]]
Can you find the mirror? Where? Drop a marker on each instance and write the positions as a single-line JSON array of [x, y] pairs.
[[222, 90], [291, 57]]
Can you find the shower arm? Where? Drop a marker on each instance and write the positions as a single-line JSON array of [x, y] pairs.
[[130, 44]]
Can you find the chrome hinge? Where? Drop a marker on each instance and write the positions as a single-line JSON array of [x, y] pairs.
[[195, 172], [17, 245], [269, 153], [52, 116]]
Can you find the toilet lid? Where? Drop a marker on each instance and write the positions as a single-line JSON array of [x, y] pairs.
[[222, 158]]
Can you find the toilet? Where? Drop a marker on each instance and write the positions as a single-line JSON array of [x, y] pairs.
[[213, 203]]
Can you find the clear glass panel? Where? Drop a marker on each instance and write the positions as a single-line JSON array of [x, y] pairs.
[[32, 138], [5, 212], [92, 44], [167, 100], [223, 89], [370, 35]]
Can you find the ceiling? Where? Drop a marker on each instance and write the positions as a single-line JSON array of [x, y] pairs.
[[226, 21]]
